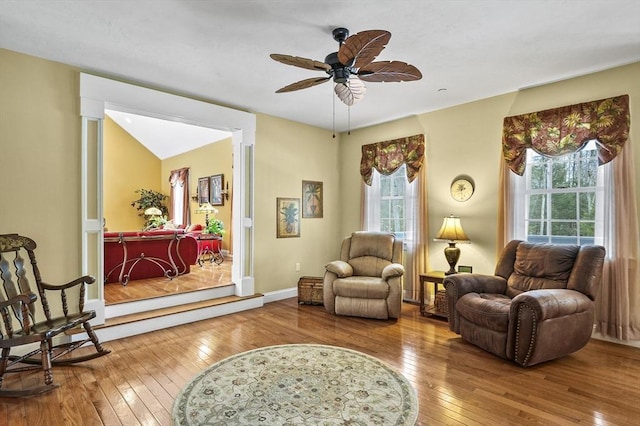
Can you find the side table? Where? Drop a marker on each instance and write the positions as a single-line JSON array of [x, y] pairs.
[[434, 277], [209, 249]]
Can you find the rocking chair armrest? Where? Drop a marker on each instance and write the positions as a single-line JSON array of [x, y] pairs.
[[86, 279], [27, 299]]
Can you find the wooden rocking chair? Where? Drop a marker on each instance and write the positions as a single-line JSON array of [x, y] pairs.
[[18, 298]]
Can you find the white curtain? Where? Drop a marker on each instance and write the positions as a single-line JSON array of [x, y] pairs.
[[411, 215]]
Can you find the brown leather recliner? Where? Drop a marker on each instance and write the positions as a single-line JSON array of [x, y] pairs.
[[538, 306], [367, 280]]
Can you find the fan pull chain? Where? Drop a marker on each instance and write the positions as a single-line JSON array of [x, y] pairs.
[[334, 115]]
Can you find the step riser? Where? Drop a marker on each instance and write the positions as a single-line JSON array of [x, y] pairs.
[[106, 334], [121, 309]]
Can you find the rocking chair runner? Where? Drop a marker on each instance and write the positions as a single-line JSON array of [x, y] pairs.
[[18, 297]]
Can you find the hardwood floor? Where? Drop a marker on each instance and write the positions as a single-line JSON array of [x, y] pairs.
[[206, 276], [457, 383]]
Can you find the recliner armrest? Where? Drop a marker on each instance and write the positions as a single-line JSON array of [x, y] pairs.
[[475, 283], [340, 268], [457, 285], [393, 270], [547, 324], [552, 303]]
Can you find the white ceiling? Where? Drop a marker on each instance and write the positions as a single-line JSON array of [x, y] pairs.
[[165, 138], [219, 50]]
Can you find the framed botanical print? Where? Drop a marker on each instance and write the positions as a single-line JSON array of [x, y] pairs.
[[287, 217], [203, 190], [311, 199], [215, 186]]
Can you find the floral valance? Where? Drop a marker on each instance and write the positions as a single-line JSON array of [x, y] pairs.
[[386, 157], [563, 130]]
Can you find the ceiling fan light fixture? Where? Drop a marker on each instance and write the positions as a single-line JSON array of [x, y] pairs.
[[352, 64]]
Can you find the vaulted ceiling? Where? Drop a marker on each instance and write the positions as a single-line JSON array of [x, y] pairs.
[[219, 50]]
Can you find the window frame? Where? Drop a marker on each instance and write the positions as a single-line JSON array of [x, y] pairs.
[[524, 192]]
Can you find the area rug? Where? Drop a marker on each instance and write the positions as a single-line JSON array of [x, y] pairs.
[[297, 385]]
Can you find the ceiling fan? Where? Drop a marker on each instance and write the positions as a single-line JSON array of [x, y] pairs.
[[352, 65]]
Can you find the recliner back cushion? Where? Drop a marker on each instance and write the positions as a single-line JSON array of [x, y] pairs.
[[370, 252], [541, 266]]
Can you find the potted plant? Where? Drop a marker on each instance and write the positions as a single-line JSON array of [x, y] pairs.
[[215, 227], [150, 198]]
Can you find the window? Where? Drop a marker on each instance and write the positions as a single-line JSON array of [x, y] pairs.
[[390, 204], [560, 199], [177, 198]]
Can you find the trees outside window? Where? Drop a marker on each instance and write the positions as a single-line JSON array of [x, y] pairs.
[[561, 198]]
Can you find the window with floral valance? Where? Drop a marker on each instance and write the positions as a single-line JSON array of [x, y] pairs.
[[386, 157], [559, 131]]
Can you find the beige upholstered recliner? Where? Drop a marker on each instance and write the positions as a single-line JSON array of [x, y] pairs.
[[538, 306], [367, 280]]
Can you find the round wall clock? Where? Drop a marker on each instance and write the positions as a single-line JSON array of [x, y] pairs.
[[462, 188]]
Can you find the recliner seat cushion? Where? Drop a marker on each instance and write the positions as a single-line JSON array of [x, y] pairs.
[[361, 287], [488, 311]]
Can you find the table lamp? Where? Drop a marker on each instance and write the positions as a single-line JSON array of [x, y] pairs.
[[452, 232], [207, 209]]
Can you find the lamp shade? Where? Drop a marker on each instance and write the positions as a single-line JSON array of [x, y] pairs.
[[153, 211], [207, 208], [452, 230]]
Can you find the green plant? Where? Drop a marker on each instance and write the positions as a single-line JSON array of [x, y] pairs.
[[150, 198], [289, 214], [312, 194], [216, 227]]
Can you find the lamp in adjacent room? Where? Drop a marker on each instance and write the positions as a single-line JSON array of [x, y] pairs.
[[153, 211], [452, 232], [207, 209]]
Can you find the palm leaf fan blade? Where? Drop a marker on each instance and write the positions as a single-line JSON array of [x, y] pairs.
[[297, 61], [350, 92], [303, 84], [363, 47], [389, 71]]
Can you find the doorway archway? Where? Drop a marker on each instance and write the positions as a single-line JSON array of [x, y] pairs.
[[97, 94]]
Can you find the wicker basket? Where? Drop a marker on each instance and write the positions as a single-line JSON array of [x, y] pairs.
[[310, 290], [440, 302]]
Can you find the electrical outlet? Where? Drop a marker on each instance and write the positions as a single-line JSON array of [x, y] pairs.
[[297, 267]]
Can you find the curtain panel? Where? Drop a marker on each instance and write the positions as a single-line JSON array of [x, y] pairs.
[[180, 179], [559, 131], [386, 157]]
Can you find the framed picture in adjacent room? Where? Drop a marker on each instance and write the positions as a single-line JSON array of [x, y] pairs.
[[287, 217], [203, 190], [311, 199], [215, 186]]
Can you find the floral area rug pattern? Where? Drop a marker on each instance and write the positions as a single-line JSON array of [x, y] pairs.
[[300, 384]]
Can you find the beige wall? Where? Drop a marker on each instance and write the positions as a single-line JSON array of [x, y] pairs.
[[40, 155], [286, 154], [466, 139], [213, 159], [39, 159], [128, 166]]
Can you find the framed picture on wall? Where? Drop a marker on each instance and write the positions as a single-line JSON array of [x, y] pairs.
[[287, 217], [215, 186], [311, 199], [203, 190]]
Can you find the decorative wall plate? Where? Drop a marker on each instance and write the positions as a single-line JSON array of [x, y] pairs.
[[462, 188]]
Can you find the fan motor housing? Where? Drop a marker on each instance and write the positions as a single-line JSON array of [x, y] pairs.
[[339, 71]]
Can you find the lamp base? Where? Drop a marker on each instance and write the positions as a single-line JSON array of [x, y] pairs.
[[452, 254]]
